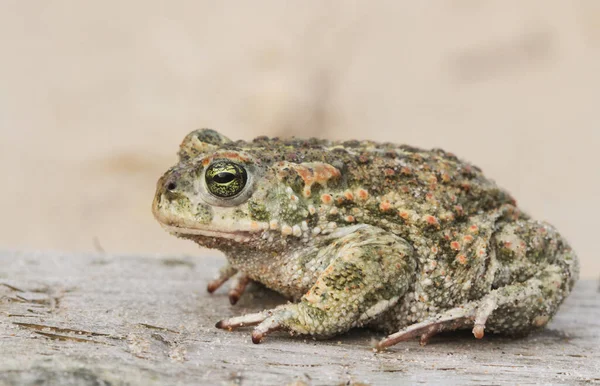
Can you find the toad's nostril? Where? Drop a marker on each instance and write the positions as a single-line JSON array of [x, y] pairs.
[[171, 186]]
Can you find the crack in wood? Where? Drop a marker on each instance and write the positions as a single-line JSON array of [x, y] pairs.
[[157, 328], [41, 327], [67, 337]]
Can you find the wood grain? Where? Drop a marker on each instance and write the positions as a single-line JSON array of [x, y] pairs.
[[119, 320]]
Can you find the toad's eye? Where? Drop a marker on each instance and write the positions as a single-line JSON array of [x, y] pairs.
[[225, 179]]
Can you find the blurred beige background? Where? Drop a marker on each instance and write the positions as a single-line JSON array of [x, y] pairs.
[[96, 96]]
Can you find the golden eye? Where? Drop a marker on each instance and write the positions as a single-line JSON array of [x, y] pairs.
[[225, 179]]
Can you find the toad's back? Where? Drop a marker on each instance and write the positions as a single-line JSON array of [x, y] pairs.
[[405, 185]]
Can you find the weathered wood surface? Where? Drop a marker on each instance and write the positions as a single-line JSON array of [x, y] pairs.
[[100, 320]]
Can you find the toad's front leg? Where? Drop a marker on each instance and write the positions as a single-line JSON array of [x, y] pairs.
[[238, 283], [369, 272]]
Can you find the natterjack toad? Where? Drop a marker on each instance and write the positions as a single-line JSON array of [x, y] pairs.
[[408, 241]]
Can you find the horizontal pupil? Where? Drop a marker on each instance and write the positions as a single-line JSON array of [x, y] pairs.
[[223, 177]]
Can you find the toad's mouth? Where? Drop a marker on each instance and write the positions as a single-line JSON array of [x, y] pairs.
[[239, 236]]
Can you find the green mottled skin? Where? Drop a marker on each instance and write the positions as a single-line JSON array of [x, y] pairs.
[[363, 233]]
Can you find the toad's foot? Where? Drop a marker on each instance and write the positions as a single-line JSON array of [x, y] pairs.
[[238, 283], [238, 286], [225, 273], [267, 321], [454, 319], [243, 321], [297, 318]]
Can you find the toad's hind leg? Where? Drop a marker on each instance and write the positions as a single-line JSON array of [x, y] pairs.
[[516, 308], [472, 315], [369, 270]]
